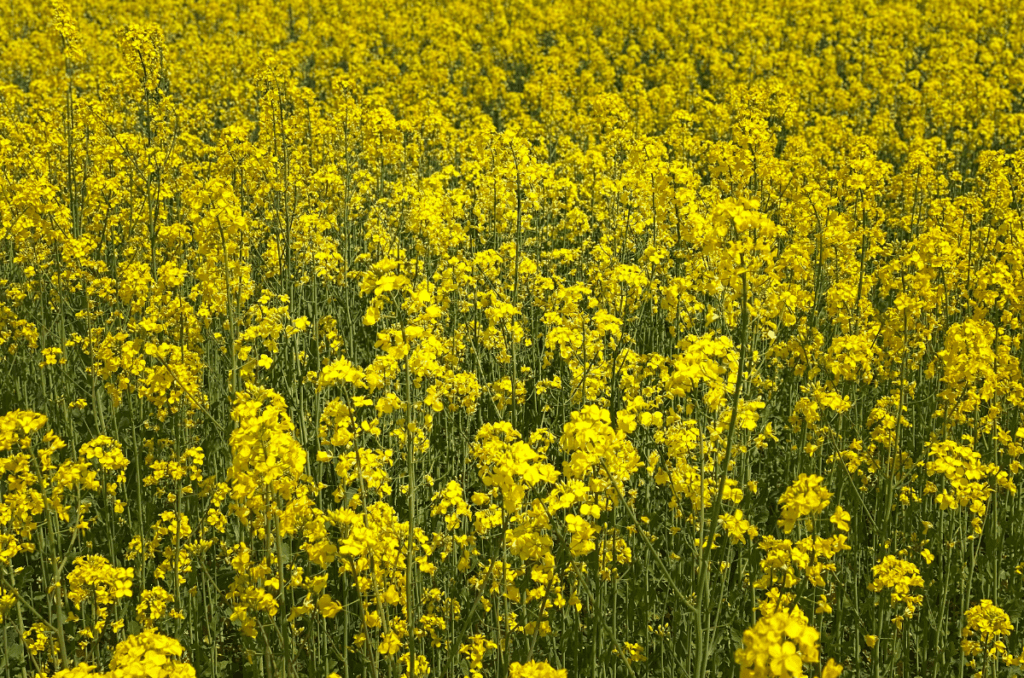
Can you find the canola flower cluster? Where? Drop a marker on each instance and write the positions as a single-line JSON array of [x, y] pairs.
[[511, 339]]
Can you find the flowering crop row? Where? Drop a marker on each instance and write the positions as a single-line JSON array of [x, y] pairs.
[[506, 338]]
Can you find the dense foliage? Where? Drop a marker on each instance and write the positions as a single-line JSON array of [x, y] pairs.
[[511, 338]]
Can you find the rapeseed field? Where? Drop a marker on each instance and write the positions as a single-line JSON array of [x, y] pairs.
[[511, 338]]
